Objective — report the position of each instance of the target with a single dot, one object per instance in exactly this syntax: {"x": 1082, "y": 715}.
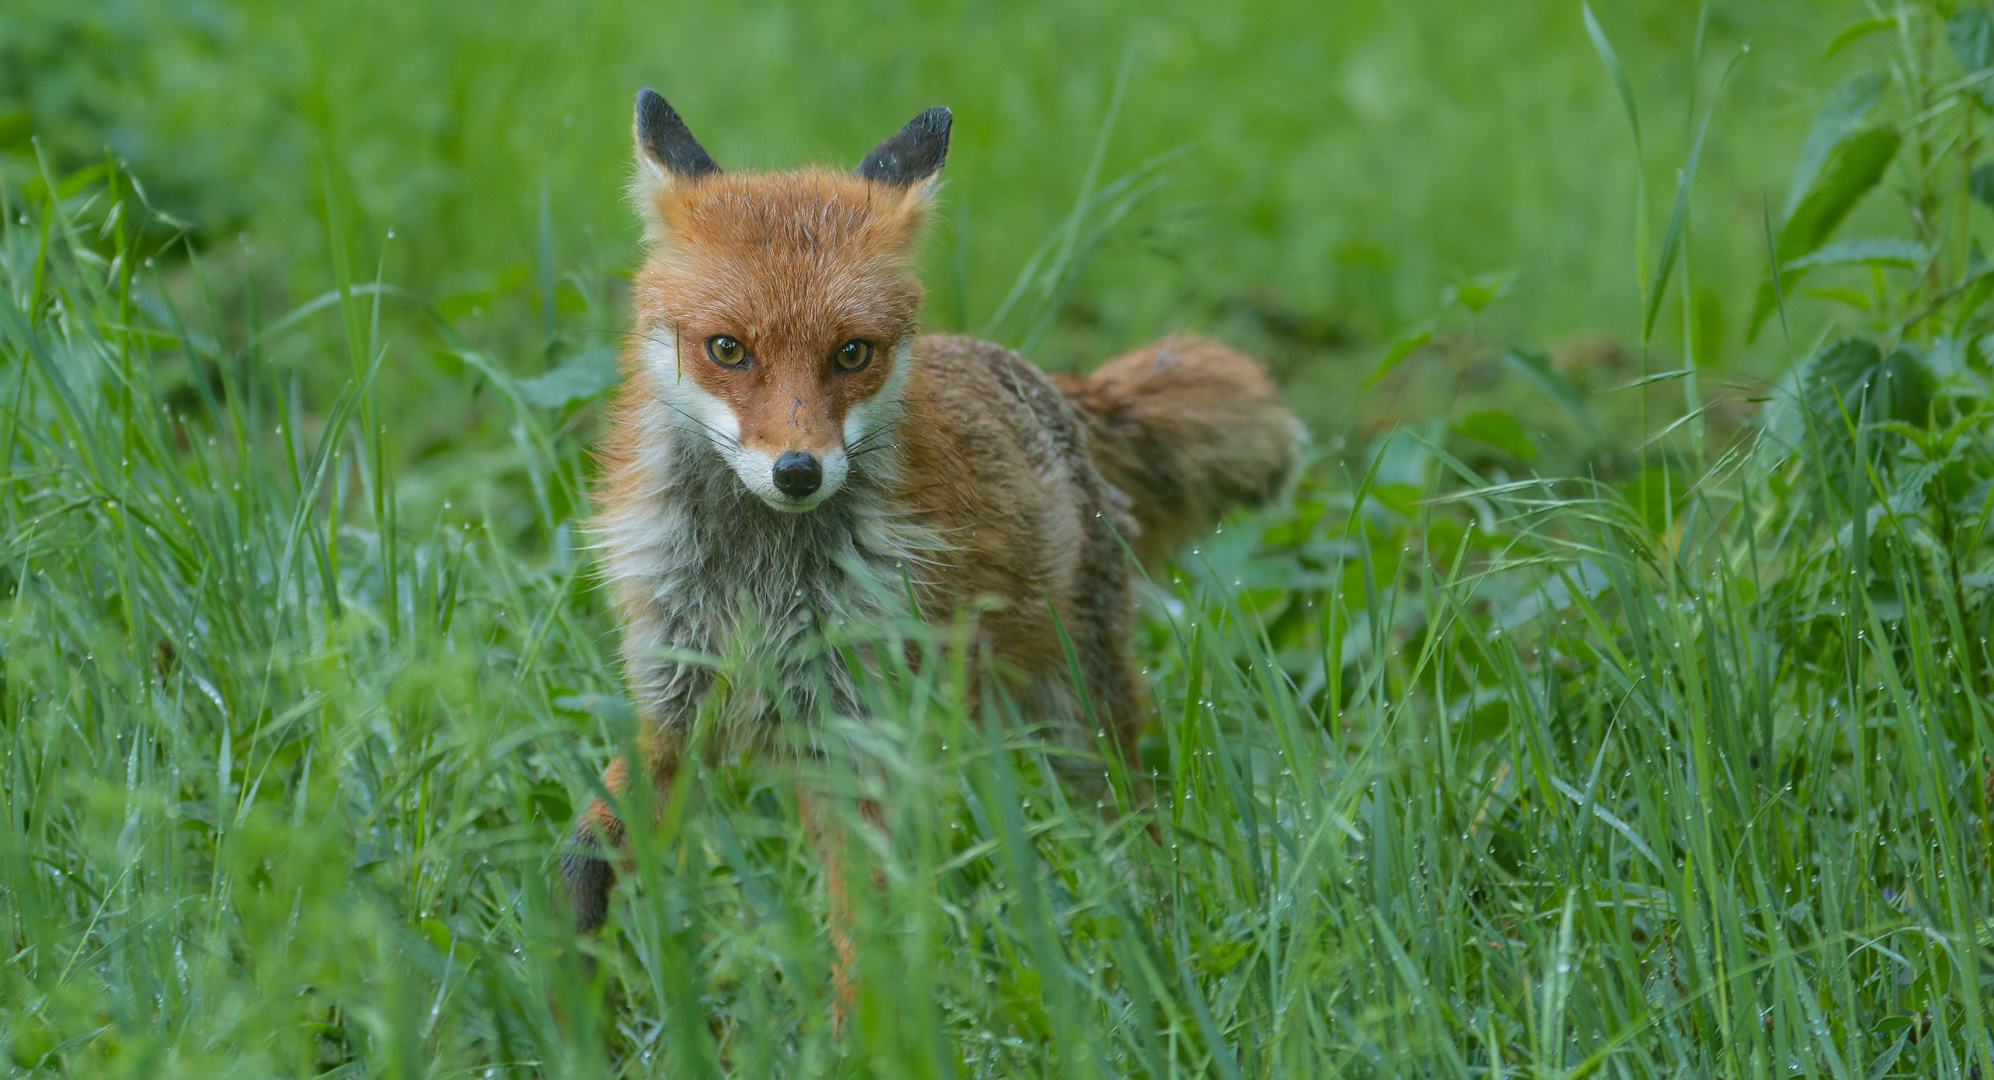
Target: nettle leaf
{"x": 589, "y": 375}
{"x": 1852, "y": 170}
{"x": 1845, "y": 110}
{"x": 1836, "y": 374}
{"x": 1853, "y": 378}
{"x": 1499, "y": 430}
{"x": 1816, "y": 388}
{"x": 1971, "y": 36}
{"x": 1980, "y": 183}
{"x": 1945, "y": 358}
{"x": 1902, "y": 389}
{"x": 1854, "y": 167}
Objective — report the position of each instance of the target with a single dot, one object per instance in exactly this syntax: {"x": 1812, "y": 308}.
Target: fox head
{"x": 776, "y": 312}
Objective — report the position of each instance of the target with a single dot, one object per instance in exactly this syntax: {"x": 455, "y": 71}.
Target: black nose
{"x": 797, "y": 474}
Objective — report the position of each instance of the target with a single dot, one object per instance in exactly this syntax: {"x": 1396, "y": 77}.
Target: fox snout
{"x": 790, "y": 480}
{"x": 788, "y": 446}
{"x": 787, "y": 419}
{"x": 798, "y": 475}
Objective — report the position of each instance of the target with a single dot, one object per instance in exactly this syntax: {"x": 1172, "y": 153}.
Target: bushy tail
{"x": 1188, "y": 429}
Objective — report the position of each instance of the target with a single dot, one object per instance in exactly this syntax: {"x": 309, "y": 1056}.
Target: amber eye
{"x": 853, "y": 355}
{"x": 726, "y": 351}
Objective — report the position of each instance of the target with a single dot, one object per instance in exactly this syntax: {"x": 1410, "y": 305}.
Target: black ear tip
{"x": 936, "y": 122}
{"x": 914, "y": 154}
{"x": 651, "y": 104}
{"x": 662, "y": 134}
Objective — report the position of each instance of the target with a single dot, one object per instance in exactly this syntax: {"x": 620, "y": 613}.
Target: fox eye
{"x": 726, "y": 351}
{"x": 853, "y": 355}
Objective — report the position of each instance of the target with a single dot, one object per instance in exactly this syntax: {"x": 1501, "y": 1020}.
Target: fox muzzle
{"x": 798, "y": 474}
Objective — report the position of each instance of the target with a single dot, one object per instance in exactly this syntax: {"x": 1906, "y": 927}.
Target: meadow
{"x": 1611, "y": 699}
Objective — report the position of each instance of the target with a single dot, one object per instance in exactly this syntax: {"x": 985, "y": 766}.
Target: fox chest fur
{"x": 979, "y": 485}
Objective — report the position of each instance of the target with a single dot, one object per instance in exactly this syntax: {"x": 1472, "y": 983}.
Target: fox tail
{"x": 1188, "y": 429}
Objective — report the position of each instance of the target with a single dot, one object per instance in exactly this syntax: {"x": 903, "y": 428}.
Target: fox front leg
{"x": 586, "y": 867}
{"x": 590, "y": 864}
{"x": 667, "y": 696}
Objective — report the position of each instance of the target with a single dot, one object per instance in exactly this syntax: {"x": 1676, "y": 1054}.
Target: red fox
{"x": 788, "y": 451}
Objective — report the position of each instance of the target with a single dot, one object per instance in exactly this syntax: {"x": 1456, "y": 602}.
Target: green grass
{"x": 1680, "y": 766}
{"x": 1344, "y": 162}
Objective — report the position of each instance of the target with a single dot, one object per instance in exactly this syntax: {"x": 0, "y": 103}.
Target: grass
{"x": 1682, "y": 765}
{"x": 1344, "y": 165}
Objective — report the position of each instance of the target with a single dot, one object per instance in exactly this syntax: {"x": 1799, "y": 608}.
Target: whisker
{"x": 854, "y": 456}
{"x": 713, "y": 434}
{"x": 870, "y": 442}
{"x": 882, "y": 430}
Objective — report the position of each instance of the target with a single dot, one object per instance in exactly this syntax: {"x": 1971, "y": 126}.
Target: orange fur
{"x": 1188, "y": 429}
{"x": 946, "y": 461}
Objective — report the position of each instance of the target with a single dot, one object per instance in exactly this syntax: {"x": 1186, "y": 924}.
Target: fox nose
{"x": 797, "y": 474}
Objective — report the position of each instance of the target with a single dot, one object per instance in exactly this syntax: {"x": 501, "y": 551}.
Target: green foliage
{"x": 1842, "y": 160}
{"x": 1345, "y": 163}
{"x": 1681, "y": 766}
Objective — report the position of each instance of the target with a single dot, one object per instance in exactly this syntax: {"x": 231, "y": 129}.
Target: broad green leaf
{"x": 1855, "y": 167}
{"x": 1856, "y": 32}
{"x": 1902, "y": 389}
{"x": 1980, "y": 182}
{"x": 1499, "y": 430}
{"x": 1845, "y": 110}
{"x": 1851, "y": 298}
{"x": 1839, "y": 370}
{"x": 1971, "y": 35}
{"x": 1408, "y": 343}
{"x": 1851, "y": 171}
{"x": 1852, "y": 377}
{"x": 1534, "y": 364}
{"x": 585, "y": 377}
{"x": 16, "y": 125}
{"x": 1882, "y": 251}
{"x": 1480, "y": 291}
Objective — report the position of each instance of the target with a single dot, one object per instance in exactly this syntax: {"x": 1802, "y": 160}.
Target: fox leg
{"x": 588, "y": 869}
{"x": 589, "y": 875}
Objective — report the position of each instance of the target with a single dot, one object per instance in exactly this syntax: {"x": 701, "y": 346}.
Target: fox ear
{"x": 913, "y": 157}
{"x": 667, "y": 154}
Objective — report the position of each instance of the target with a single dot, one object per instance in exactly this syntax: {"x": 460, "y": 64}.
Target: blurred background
{"x": 1305, "y": 179}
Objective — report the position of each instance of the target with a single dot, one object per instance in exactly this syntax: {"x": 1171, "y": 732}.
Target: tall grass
{"x": 1688, "y": 773}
